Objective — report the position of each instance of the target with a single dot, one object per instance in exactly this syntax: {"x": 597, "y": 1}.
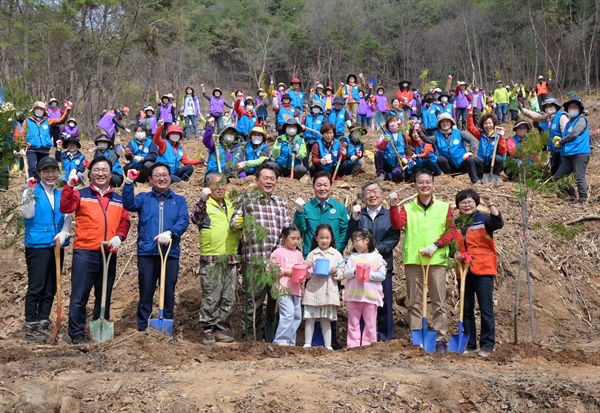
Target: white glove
{"x": 61, "y": 237}
{"x": 138, "y": 159}
{"x": 22, "y": 153}
{"x": 393, "y": 199}
{"x": 429, "y": 250}
{"x": 501, "y": 131}
{"x": 300, "y": 204}
{"x": 163, "y": 237}
{"x": 467, "y": 156}
{"x": 356, "y": 209}
{"x": 328, "y": 158}
{"x": 241, "y": 165}
{"x": 73, "y": 178}
{"x": 205, "y": 194}
{"x": 114, "y": 243}
{"x": 127, "y": 130}
{"x": 353, "y": 158}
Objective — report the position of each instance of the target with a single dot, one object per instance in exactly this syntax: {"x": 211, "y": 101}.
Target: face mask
{"x": 550, "y": 110}
{"x": 54, "y": 104}
{"x": 393, "y": 127}
{"x": 38, "y": 113}
{"x": 71, "y": 125}
{"x": 257, "y": 139}
{"x": 140, "y": 136}
{"x": 103, "y": 145}
{"x": 444, "y": 99}
{"x": 261, "y": 94}
{"x": 282, "y": 88}
{"x": 290, "y": 131}
{"x": 249, "y": 107}
{"x": 229, "y": 138}
{"x": 316, "y": 111}
{"x": 174, "y": 137}
{"x": 355, "y": 136}
{"x": 380, "y": 93}
{"x": 573, "y": 113}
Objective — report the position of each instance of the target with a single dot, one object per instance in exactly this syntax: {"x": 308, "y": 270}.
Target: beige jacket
{"x": 323, "y": 290}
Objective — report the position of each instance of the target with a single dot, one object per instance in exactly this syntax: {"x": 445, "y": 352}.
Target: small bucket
{"x": 363, "y": 272}
{"x": 299, "y": 273}
{"x": 321, "y": 267}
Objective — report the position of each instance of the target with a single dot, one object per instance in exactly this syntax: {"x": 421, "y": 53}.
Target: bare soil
{"x": 150, "y": 372}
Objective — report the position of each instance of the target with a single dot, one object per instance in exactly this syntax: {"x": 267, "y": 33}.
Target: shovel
{"x": 458, "y": 342}
{"x": 423, "y": 337}
{"x": 162, "y": 324}
{"x": 101, "y": 329}
{"x": 495, "y": 179}
{"x": 58, "y": 292}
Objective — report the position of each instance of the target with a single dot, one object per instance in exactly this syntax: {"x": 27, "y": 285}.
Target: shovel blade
{"x": 424, "y": 338}
{"x": 102, "y": 330}
{"x": 458, "y": 342}
{"x": 486, "y": 179}
{"x": 164, "y": 325}
{"x": 496, "y": 179}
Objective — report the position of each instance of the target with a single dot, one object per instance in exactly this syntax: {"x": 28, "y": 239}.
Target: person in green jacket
{"x": 501, "y": 99}
{"x": 218, "y": 259}
{"x": 289, "y": 150}
{"x": 513, "y": 104}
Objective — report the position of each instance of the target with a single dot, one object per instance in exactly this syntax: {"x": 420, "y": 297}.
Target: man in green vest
{"x": 218, "y": 260}
{"x": 428, "y": 230}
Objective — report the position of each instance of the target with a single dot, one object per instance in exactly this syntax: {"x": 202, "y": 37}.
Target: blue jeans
{"x": 461, "y": 113}
{"x": 361, "y": 120}
{"x": 483, "y": 288}
{"x": 191, "y": 120}
{"x": 290, "y": 317}
{"x": 501, "y": 111}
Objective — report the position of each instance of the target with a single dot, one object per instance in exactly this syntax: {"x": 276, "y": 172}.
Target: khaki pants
{"x": 436, "y": 285}
{"x": 352, "y": 108}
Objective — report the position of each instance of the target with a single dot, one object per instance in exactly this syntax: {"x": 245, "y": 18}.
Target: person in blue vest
{"x": 451, "y": 148}
{"x": 313, "y": 122}
{"x": 296, "y": 96}
{"x": 258, "y": 151}
{"x": 231, "y": 151}
{"x": 288, "y": 151}
{"x": 142, "y": 153}
{"x": 575, "y": 142}
{"x": 162, "y": 218}
{"x": 445, "y": 105}
{"x": 319, "y": 95}
{"x": 104, "y": 148}
{"x": 487, "y": 133}
{"x": 171, "y": 152}
{"x": 326, "y": 153}
{"x": 339, "y": 117}
{"x": 246, "y": 116}
{"x": 45, "y": 225}
{"x": 353, "y": 159}
{"x": 513, "y": 144}
{"x": 429, "y": 114}
{"x": 283, "y": 111}
{"x": 36, "y": 130}
{"x": 387, "y": 164}
{"x": 71, "y": 158}
{"x": 351, "y": 95}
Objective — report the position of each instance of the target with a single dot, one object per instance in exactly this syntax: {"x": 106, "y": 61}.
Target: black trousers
{"x": 41, "y": 283}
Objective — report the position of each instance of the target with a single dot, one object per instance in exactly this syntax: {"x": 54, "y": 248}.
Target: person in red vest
{"x": 542, "y": 88}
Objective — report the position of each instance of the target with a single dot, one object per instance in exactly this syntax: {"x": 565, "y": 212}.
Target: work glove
{"x": 394, "y": 199}
{"x": 556, "y": 141}
{"x": 32, "y": 182}
{"x": 61, "y": 237}
{"x": 128, "y": 151}
{"x": 86, "y": 163}
{"x": 386, "y": 138}
{"x": 127, "y": 130}
{"x": 58, "y": 144}
{"x": 263, "y": 158}
{"x": 343, "y": 151}
{"x": 22, "y": 153}
{"x": 132, "y": 175}
{"x": 114, "y": 244}
{"x": 163, "y": 238}
{"x": 68, "y": 104}
{"x": 241, "y": 165}
{"x": 138, "y": 159}
{"x": 239, "y": 222}
{"x": 356, "y": 209}
{"x": 359, "y": 154}
{"x": 414, "y": 156}
{"x": 501, "y": 131}
{"x": 73, "y": 178}
{"x": 327, "y": 159}
{"x": 467, "y": 156}
{"x": 206, "y": 192}
{"x": 300, "y": 204}
{"x": 429, "y": 250}
{"x": 353, "y": 158}
{"x": 279, "y": 140}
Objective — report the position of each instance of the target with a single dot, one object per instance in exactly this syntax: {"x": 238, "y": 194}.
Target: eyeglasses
{"x": 371, "y": 192}
{"x": 467, "y": 201}
{"x": 161, "y": 176}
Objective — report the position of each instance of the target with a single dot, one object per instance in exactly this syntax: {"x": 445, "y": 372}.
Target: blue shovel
{"x": 423, "y": 337}
{"x": 162, "y": 324}
{"x": 458, "y": 342}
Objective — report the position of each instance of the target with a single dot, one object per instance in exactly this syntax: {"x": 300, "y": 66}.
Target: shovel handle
{"x": 425, "y": 280}
{"x": 163, "y": 271}
{"x": 464, "y": 270}
{"x": 105, "y": 264}
{"x": 58, "y": 291}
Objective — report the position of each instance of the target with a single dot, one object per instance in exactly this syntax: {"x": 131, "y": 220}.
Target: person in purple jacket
{"x": 381, "y": 106}
{"x": 191, "y": 110}
{"x": 478, "y": 103}
{"x": 217, "y": 102}
{"x": 462, "y": 104}
{"x": 54, "y": 112}
{"x": 363, "y": 107}
{"x": 112, "y": 120}
{"x": 71, "y": 128}
{"x": 166, "y": 112}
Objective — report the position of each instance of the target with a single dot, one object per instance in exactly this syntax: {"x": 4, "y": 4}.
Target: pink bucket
{"x": 299, "y": 273}
{"x": 363, "y": 272}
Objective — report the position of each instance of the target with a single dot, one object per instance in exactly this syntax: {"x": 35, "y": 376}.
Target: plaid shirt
{"x": 271, "y": 213}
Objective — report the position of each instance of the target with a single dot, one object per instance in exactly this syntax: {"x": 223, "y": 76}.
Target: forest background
{"x": 101, "y": 54}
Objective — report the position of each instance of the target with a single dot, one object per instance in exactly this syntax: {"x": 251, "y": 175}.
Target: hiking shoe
{"x": 380, "y": 176}
{"x": 221, "y": 337}
{"x": 79, "y": 340}
{"x": 306, "y": 345}
{"x": 33, "y": 333}
{"x": 44, "y": 328}
{"x": 208, "y": 338}
{"x": 470, "y": 351}
{"x": 484, "y": 353}
{"x": 441, "y": 347}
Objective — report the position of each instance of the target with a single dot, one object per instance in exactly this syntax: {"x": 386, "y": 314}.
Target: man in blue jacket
{"x": 163, "y": 217}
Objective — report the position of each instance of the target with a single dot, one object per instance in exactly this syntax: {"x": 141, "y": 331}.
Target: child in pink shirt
{"x": 363, "y": 297}
{"x": 290, "y": 300}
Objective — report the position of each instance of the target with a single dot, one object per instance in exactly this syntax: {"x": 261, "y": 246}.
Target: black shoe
{"x": 79, "y": 340}
{"x": 33, "y": 333}
{"x": 44, "y": 328}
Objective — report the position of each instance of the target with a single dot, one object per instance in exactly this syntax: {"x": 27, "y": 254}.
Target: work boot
{"x": 32, "y": 332}
{"x": 44, "y": 328}
{"x": 208, "y": 338}
{"x": 222, "y": 337}
{"x": 79, "y": 340}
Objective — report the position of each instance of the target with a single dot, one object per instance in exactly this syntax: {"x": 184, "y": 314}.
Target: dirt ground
{"x": 149, "y": 372}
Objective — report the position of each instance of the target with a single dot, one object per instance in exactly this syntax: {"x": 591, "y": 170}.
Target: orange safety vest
{"x": 541, "y": 88}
